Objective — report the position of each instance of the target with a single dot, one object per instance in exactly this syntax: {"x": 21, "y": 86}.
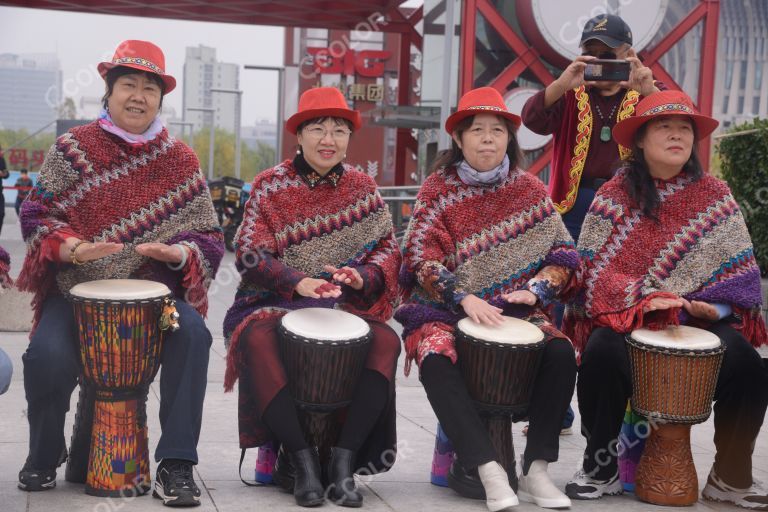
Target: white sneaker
{"x": 584, "y": 487}
{"x": 498, "y": 494}
{"x": 754, "y": 497}
{"x": 536, "y": 487}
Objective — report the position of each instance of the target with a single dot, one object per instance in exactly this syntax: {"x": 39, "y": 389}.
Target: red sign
{"x": 20, "y": 158}
{"x": 368, "y": 63}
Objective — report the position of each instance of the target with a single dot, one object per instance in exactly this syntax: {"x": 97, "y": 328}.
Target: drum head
{"x": 325, "y": 324}
{"x": 120, "y": 289}
{"x": 678, "y": 337}
{"x": 513, "y": 331}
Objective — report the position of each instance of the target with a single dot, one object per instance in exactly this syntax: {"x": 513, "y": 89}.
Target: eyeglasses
{"x": 318, "y": 132}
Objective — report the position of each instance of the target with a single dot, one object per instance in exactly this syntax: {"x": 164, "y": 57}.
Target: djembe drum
{"x": 499, "y": 365}
{"x": 323, "y": 352}
{"x": 674, "y": 373}
{"x": 120, "y": 327}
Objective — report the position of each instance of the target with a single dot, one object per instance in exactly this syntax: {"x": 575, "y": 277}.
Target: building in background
{"x": 264, "y": 132}
{"x": 31, "y": 86}
{"x": 202, "y": 72}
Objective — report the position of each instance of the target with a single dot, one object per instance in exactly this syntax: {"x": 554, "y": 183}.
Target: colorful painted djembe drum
{"x": 499, "y": 365}
{"x": 120, "y": 326}
{"x": 323, "y": 352}
{"x": 674, "y": 373}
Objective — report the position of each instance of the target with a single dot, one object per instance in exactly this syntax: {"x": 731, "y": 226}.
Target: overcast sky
{"x": 81, "y": 41}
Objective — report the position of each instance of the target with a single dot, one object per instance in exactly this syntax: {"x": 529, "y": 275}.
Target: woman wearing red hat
{"x": 485, "y": 241}
{"x": 316, "y": 233}
{"x": 663, "y": 243}
{"x": 120, "y": 198}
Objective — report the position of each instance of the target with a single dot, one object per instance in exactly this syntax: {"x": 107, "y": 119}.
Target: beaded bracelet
{"x": 73, "y": 256}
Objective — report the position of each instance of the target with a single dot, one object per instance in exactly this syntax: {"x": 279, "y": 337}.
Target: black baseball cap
{"x": 608, "y": 29}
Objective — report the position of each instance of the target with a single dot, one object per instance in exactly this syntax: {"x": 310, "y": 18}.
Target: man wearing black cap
{"x": 580, "y": 115}
{"x": 585, "y": 153}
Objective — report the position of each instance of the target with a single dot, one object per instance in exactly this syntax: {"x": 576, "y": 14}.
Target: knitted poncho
{"x": 699, "y": 249}
{"x": 96, "y": 187}
{"x": 483, "y": 240}
{"x": 303, "y": 229}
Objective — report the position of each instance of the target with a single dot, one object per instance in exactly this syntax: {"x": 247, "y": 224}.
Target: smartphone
{"x": 607, "y": 70}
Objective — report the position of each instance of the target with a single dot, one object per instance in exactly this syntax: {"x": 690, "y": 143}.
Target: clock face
{"x": 528, "y": 140}
{"x": 559, "y": 23}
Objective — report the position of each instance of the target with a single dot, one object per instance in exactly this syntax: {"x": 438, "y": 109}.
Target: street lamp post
{"x": 238, "y": 112}
{"x": 210, "y": 138}
{"x": 280, "y": 100}
{"x": 184, "y": 125}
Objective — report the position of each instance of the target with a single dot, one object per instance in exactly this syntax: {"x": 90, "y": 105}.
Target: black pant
{"x": 456, "y": 411}
{"x": 741, "y": 396}
{"x": 51, "y": 368}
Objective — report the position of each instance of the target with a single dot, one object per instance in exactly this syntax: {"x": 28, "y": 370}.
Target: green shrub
{"x": 744, "y": 164}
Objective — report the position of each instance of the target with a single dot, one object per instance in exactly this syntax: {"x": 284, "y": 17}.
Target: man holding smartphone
{"x": 584, "y": 153}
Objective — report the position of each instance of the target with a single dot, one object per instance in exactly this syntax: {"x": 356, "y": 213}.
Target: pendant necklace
{"x": 605, "y": 131}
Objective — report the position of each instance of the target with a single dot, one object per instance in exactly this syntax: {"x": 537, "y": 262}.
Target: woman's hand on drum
{"x": 701, "y": 310}
{"x": 346, "y": 275}
{"x": 87, "y": 251}
{"x": 661, "y": 303}
{"x": 317, "y": 289}
{"x": 162, "y": 252}
{"x": 480, "y": 311}
{"x": 521, "y": 297}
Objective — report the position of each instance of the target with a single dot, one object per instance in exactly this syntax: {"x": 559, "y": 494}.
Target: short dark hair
{"x": 452, "y": 157}
{"x": 23, "y": 171}
{"x": 118, "y": 71}
{"x": 638, "y": 182}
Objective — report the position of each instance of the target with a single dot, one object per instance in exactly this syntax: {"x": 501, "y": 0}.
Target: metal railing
{"x": 400, "y": 201}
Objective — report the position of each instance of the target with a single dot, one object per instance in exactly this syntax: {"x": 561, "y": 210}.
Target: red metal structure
{"x": 529, "y": 59}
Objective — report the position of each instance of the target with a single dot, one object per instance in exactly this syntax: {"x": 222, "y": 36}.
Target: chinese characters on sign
{"x": 368, "y": 63}
{"x": 360, "y": 92}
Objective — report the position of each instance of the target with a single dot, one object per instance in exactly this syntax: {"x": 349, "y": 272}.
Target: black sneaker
{"x": 175, "y": 485}
{"x": 584, "y": 487}
{"x": 33, "y": 480}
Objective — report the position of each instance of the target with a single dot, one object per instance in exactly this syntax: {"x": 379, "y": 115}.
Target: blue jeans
{"x": 52, "y": 366}
{"x": 573, "y": 220}
{"x": 6, "y": 371}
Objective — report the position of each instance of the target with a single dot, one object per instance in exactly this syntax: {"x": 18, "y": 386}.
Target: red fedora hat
{"x": 322, "y": 102}
{"x": 664, "y": 103}
{"x": 141, "y": 55}
{"x": 483, "y": 100}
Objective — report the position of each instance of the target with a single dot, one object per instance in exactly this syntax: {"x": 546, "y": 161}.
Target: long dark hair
{"x": 451, "y": 157}
{"x": 638, "y": 182}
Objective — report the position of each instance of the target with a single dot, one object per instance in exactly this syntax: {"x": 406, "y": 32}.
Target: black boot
{"x": 307, "y": 489}
{"x": 284, "y": 475}
{"x": 342, "y": 488}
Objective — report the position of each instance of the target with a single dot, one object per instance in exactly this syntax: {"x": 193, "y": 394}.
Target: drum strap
{"x": 240, "y": 472}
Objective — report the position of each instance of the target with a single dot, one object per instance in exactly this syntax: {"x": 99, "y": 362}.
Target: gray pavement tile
{"x": 12, "y": 499}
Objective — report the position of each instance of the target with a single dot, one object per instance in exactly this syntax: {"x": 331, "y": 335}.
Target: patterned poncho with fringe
{"x": 482, "y": 240}
{"x": 96, "y": 187}
{"x": 291, "y": 230}
{"x": 698, "y": 249}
